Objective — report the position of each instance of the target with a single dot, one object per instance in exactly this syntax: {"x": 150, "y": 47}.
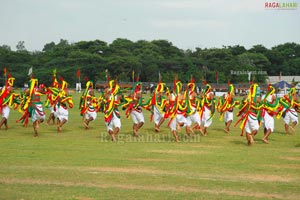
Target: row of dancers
{"x": 179, "y": 107}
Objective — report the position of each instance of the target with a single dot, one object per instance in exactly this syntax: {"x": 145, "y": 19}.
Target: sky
{"x": 186, "y": 23}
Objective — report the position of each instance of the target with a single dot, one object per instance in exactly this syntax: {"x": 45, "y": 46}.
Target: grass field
{"x": 83, "y": 164}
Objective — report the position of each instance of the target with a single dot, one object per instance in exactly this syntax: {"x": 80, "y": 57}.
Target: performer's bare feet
{"x": 201, "y": 131}
{"x": 265, "y": 141}
{"x": 157, "y": 129}
{"x": 226, "y": 130}
{"x": 85, "y": 124}
{"x": 135, "y": 133}
{"x": 251, "y": 140}
{"x": 292, "y": 129}
{"x": 113, "y": 138}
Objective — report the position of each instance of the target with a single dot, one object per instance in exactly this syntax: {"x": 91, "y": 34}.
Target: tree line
{"x": 148, "y": 60}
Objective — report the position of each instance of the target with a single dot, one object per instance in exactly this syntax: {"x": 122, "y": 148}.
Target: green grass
{"x": 84, "y": 164}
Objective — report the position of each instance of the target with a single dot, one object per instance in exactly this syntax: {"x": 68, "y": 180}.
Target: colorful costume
{"x": 158, "y": 103}
{"x": 206, "y": 108}
{"x": 269, "y": 110}
{"x": 192, "y": 116}
{"x": 7, "y": 99}
{"x": 111, "y": 112}
{"x": 289, "y": 109}
{"x": 88, "y": 105}
{"x": 225, "y": 107}
{"x": 250, "y": 114}
{"x": 64, "y": 100}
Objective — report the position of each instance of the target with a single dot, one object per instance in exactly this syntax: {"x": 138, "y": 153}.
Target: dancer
{"x": 225, "y": 107}
{"x": 64, "y": 101}
{"x": 159, "y": 103}
{"x": 176, "y": 110}
{"x": 7, "y": 99}
{"x": 290, "y": 107}
{"x": 206, "y": 108}
{"x": 51, "y": 100}
{"x": 250, "y": 112}
{"x": 269, "y": 110}
{"x": 31, "y": 104}
{"x": 134, "y": 109}
{"x": 88, "y": 105}
{"x": 111, "y": 112}
{"x": 193, "y": 116}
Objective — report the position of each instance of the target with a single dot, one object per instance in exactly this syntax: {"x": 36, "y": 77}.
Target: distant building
{"x": 276, "y": 79}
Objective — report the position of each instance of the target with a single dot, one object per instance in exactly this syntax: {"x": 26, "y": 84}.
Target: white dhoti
{"x": 37, "y": 113}
{"x": 157, "y": 116}
{"x": 290, "y": 116}
{"x": 268, "y": 121}
{"x": 5, "y": 111}
{"x": 252, "y": 123}
{"x": 115, "y": 122}
{"x": 137, "y": 117}
{"x": 62, "y": 113}
{"x": 228, "y": 116}
{"x": 206, "y": 118}
{"x": 90, "y": 113}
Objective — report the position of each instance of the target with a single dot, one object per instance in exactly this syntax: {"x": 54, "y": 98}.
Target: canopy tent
{"x": 282, "y": 85}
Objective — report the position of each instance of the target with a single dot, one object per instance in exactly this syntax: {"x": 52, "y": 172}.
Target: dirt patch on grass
{"x": 183, "y": 174}
{"x": 291, "y": 158}
{"x": 126, "y": 170}
{"x": 209, "y": 177}
{"x": 282, "y": 166}
{"x": 83, "y": 198}
{"x": 206, "y": 146}
{"x": 178, "y": 152}
{"x": 161, "y": 188}
{"x": 153, "y": 160}
{"x": 296, "y": 150}
{"x": 267, "y": 178}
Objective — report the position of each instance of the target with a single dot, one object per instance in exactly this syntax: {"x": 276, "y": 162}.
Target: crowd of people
{"x": 179, "y": 106}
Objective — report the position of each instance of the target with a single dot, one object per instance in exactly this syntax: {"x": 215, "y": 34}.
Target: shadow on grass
{"x": 237, "y": 142}
{"x": 280, "y": 132}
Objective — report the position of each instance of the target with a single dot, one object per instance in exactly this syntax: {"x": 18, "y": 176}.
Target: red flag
{"x": 78, "y": 73}
{"x": 4, "y": 71}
